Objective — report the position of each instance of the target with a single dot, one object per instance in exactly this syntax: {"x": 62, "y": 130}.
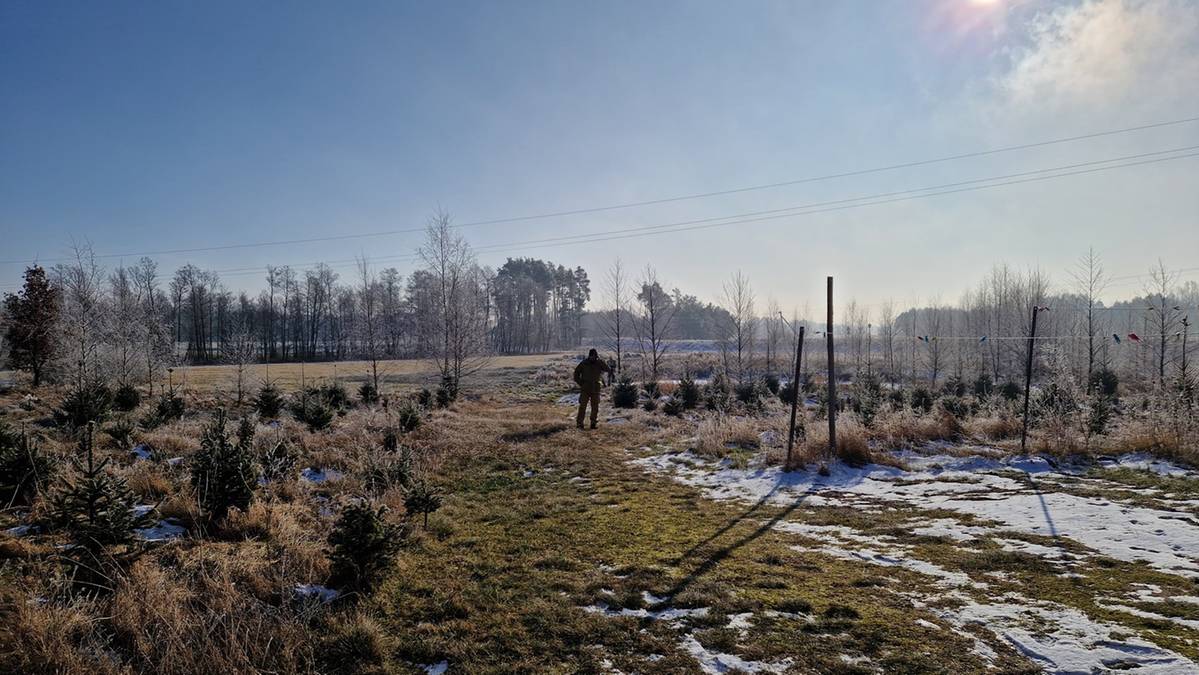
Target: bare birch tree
{"x": 616, "y": 288}
{"x": 456, "y": 333}
{"x": 737, "y": 335}
{"x": 655, "y": 320}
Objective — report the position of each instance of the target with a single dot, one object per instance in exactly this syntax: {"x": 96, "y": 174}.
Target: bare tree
{"x": 84, "y": 319}
{"x": 240, "y": 349}
{"x": 455, "y": 334}
{"x": 737, "y": 335}
{"x": 775, "y": 336}
{"x": 655, "y": 320}
{"x": 616, "y": 289}
{"x": 1163, "y": 314}
{"x": 370, "y": 324}
{"x": 125, "y": 325}
{"x": 887, "y": 332}
{"x": 1090, "y": 280}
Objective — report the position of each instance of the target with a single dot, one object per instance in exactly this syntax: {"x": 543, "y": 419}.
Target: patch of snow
{"x": 1186, "y": 623}
{"x": 741, "y": 621}
{"x": 142, "y": 510}
{"x": 175, "y": 461}
{"x": 951, "y": 529}
{"x": 316, "y": 591}
{"x": 568, "y": 399}
{"x": 163, "y": 530}
{"x": 21, "y": 530}
{"x": 319, "y": 475}
{"x": 141, "y": 452}
{"x": 1122, "y": 531}
{"x": 1146, "y": 462}
{"x": 717, "y": 662}
{"x": 668, "y": 614}
{"x": 1064, "y": 640}
{"x": 437, "y": 668}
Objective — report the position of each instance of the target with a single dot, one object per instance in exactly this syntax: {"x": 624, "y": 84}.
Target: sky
{"x": 149, "y": 127}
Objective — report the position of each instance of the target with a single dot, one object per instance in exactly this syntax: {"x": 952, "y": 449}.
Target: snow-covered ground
{"x": 1000, "y": 498}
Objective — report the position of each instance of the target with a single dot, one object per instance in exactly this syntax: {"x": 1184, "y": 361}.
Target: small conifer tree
{"x": 24, "y": 468}
{"x": 422, "y": 498}
{"x": 96, "y": 508}
{"x": 223, "y": 473}
{"x": 268, "y": 402}
{"x": 624, "y": 394}
{"x": 361, "y": 545}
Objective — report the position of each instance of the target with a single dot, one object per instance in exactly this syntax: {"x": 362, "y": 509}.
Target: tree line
{"x": 77, "y": 321}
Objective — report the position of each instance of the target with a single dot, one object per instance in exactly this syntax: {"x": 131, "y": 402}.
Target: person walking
{"x": 589, "y": 375}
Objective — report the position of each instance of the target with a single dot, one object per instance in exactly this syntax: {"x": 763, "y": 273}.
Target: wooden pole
{"x": 832, "y": 378}
{"x": 1032, "y": 338}
{"x": 795, "y": 393}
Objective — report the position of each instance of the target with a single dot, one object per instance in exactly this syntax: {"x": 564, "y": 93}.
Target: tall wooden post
{"x": 1032, "y": 338}
{"x": 832, "y": 378}
{"x": 795, "y": 393}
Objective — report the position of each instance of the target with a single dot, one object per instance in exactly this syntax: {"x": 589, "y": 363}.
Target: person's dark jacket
{"x": 589, "y": 375}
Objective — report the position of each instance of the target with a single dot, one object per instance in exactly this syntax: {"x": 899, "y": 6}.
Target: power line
{"x": 650, "y": 202}
{"x": 813, "y": 208}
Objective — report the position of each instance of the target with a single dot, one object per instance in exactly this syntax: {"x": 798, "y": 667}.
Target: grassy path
{"x": 555, "y": 555}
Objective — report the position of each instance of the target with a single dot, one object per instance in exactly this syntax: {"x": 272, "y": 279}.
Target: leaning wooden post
{"x": 1032, "y": 337}
{"x": 832, "y": 378}
{"x": 795, "y": 393}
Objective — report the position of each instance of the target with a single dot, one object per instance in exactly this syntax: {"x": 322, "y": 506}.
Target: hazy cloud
{"x": 1103, "y": 53}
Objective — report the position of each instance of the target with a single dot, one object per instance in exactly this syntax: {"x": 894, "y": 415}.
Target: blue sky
{"x": 146, "y": 127}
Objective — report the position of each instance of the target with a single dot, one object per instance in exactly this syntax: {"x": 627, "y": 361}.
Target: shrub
{"x": 717, "y": 393}
{"x": 688, "y": 393}
{"x": 422, "y": 498}
{"x": 954, "y": 386}
{"x": 772, "y": 383}
{"x": 1104, "y": 382}
{"x": 922, "y": 400}
{"x": 408, "y": 418}
{"x": 983, "y": 386}
{"x": 787, "y": 393}
{"x": 650, "y": 405}
{"x": 312, "y": 411}
{"x": 673, "y": 406}
{"x": 444, "y": 397}
{"x": 652, "y": 389}
{"x": 624, "y": 394}
{"x": 957, "y": 406}
{"x": 334, "y": 395}
{"x": 84, "y": 404}
{"x": 223, "y": 474}
{"x": 362, "y": 546}
{"x": 268, "y": 402}
{"x": 24, "y": 468}
{"x": 424, "y": 399}
{"x": 1100, "y": 414}
{"x": 278, "y": 461}
{"x": 96, "y": 508}
{"x": 1010, "y": 391}
{"x": 368, "y": 394}
{"x": 167, "y": 408}
{"x": 751, "y": 394}
{"x": 127, "y": 398}
{"x": 121, "y": 432}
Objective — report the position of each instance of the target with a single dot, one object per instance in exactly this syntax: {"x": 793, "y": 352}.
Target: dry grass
{"x": 210, "y": 379}
{"x": 903, "y": 429}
